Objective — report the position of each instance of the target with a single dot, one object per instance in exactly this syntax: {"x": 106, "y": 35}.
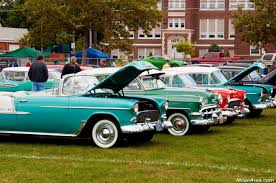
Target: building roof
{"x": 8, "y": 34}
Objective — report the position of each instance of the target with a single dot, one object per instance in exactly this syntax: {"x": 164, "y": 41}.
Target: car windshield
{"x": 74, "y": 85}
{"x": 54, "y": 74}
{"x": 14, "y": 75}
{"x": 187, "y": 80}
{"x": 167, "y": 58}
{"x": 217, "y": 78}
{"x": 151, "y": 82}
{"x": 255, "y": 76}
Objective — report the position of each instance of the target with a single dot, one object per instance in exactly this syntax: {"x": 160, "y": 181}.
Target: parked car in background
{"x": 82, "y": 107}
{"x": 253, "y": 78}
{"x": 16, "y": 79}
{"x": 217, "y": 58}
{"x": 258, "y": 96}
{"x": 233, "y": 100}
{"x": 268, "y": 58}
{"x": 159, "y": 61}
{"x": 189, "y": 109}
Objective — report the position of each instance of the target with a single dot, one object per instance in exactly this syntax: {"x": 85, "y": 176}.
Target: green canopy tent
{"x": 24, "y": 52}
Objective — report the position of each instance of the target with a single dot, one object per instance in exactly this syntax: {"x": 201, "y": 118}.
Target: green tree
{"x": 257, "y": 28}
{"x": 214, "y": 48}
{"x": 112, "y": 18}
{"x": 185, "y": 47}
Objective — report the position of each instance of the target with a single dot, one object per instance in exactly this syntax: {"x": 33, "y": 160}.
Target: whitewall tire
{"x": 181, "y": 124}
{"x": 105, "y": 133}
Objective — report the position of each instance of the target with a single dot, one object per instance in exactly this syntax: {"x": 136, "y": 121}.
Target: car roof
{"x": 193, "y": 69}
{"x": 230, "y": 67}
{"x": 96, "y": 71}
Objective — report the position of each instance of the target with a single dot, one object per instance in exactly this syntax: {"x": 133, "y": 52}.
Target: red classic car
{"x": 216, "y": 58}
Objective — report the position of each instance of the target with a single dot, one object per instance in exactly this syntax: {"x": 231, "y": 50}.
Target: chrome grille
{"x": 233, "y": 104}
{"x": 208, "y": 112}
{"x": 148, "y": 116}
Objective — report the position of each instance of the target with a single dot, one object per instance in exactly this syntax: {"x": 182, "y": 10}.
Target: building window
{"x": 244, "y": 4}
{"x": 176, "y": 23}
{"x": 211, "y": 29}
{"x": 159, "y": 4}
{"x": 177, "y": 4}
{"x": 231, "y": 30}
{"x": 212, "y": 4}
{"x": 255, "y": 51}
{"x": 145, "y": 52}
{"x": 153, "y": 34}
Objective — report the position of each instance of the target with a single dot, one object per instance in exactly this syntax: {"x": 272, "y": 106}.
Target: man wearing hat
{"x": 71, "y": 67}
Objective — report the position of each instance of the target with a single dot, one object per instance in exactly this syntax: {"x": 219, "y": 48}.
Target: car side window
{"x": 207, "y": 55}
{"x": 200, "y": 79}
{"x": 166, "y": 80}
{"x": 177, "y": 82}
{"x": 268, "y": 57}
{"x": 227, "y": 74}
{"x": 133, "y": 85}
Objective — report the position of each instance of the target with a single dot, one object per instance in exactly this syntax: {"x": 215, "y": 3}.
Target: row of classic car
{"x": 111, "y": 104}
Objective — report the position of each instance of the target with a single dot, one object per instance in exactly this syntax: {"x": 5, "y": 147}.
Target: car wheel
{"x": 255, "y": 113}
{"x": 230, "y": 120}
{"x": 174, "y": 65}
{"x": 181, "y": 124}
{"x": 143, "y": 137}
{"x": 105, "y": 133}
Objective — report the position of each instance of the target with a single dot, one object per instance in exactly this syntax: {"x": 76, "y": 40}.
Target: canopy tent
{"x": 93, "y": 53}
{"x": 24, "y": 52}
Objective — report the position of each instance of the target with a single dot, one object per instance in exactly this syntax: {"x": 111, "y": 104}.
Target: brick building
{"x": 200, "y": 21}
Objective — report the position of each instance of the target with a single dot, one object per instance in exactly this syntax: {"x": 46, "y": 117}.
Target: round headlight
{"x": 202, "y": 101}
{"x": 135, "y": 108}
{"x": 228, "y": 98}
{"x": 166, "y": 105}
{"x": 245, "y": 96}
{"x": 271, "y": 91}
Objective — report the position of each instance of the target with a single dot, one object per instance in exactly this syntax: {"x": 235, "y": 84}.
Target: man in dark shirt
{"x": 72, "y": 67}
{"x": 38, "y": 74}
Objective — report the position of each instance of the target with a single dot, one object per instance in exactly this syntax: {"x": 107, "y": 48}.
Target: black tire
{"x": 181, "y": 124}
{"x": 141, "y": 138}
{"x": 230, "y": 120}
{"x": 195, "y": 62}
{"x": 255, "y": 113}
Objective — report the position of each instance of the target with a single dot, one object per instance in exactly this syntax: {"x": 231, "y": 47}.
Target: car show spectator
{"x": 71, "y": 67}
{"x": 38, "y": 74}
{"x": 166, "y": 65}
{"x": 28, "y": 63}
{"x": 103, "y": 63}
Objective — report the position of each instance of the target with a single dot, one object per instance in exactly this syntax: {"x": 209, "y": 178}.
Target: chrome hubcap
{"x": 105, "y": 133}
{"x": 179, "y": 124}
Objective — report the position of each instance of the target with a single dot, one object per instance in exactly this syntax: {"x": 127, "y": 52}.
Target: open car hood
{"x": 269, "y": 78}
{"x": 246, "y": 71}
{"x": 120, "y": 79}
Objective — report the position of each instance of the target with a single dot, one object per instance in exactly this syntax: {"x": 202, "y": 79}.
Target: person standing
{"x": 166, "y": 65}
{"x": 71, "y": 68}
{"x": 38, "y": 74}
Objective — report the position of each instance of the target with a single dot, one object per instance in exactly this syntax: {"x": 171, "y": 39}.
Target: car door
{"x": 46, "y": 114}
{"x": 7, "y": 114}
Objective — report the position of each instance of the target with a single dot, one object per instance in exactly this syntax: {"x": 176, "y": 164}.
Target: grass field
{"x": 246, "y": 149}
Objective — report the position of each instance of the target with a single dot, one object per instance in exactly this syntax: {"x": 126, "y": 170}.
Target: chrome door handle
{"x": 22, "y": 101}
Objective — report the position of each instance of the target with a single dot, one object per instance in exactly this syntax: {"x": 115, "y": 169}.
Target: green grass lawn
{"x": 246, "y": 149}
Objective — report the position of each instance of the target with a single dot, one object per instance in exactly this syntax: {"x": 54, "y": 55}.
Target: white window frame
{"x": 233, "y": 4}
{"x": 159, "y": 4}
{"x": 207, "y": 34}
{"x": 255, "y": 54}
{"x": 232, "y": 35}
{"x": 145, "y": 51}
{"x": 153, "y": 34}
{"x": 212, "y": 2}
{"x": 176, "y": 4}
{"x": 174, "y": 21}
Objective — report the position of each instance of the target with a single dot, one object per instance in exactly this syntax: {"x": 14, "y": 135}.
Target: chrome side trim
{"x": 82, "y": 125}
{"x": 38, "y": 133}
{"x": 79, "y": 107}
{"x": 15, "y": 113}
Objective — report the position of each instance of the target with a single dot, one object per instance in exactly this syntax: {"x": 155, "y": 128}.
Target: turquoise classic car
{"x": 258, "y": 96}
{"x": 14, "y": 79}
{"x": 189, "y": 109}
{"x": 81, "y": 107}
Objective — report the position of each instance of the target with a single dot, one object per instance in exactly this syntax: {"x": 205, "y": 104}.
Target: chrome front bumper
{"x": 216, "y": 118}
{"x": 142, "y": 127}
{"x": 259, "y": 106}
{"x": 240, "y": 112}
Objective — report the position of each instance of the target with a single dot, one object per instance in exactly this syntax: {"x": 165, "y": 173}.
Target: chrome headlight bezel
{"x": 202, "y": 101}
{"x": 135, "y": 108}
{"x": 165, "y": 105}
